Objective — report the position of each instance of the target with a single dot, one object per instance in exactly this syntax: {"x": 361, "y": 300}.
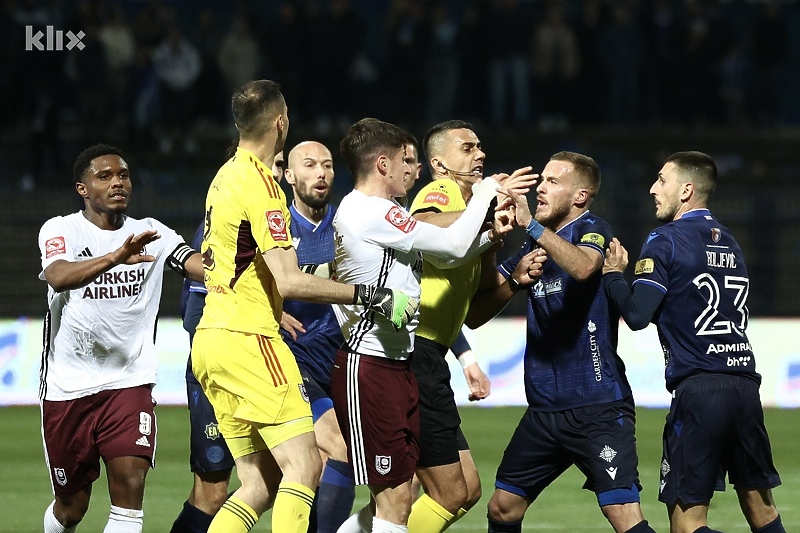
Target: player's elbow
{"x": 636, "y": 323}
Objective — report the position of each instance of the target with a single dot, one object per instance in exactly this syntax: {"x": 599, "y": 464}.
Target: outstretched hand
{"x": 616, "y": 259}
{"x": 130, "y": 253}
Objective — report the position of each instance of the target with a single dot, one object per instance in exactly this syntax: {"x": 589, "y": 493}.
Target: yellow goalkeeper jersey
{"x": 246, "y": 215}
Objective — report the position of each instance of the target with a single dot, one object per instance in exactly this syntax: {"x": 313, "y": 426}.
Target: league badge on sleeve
{"x": 277, "y": 226}
{"x": 644, "y": 266}
{"x": 400, "y": 219}
{"x": 54, "y": 246}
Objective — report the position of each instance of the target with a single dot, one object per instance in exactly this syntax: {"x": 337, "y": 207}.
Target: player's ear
{"x": 81, "y": 188}
{"x": 581, "y": 197}
{"x": 382, "y": 164}
{"x": 289, "y": 176}
{"x": 687, "y": 191}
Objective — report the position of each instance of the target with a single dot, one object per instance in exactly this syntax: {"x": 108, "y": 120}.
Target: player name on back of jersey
{"x": 115, "y": 284}
{"x": 721, "y": 259}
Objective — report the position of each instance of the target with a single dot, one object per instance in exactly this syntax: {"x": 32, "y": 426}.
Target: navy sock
{"x": 191, "y": 520}
{"x": 776, "y": 526}
{"x": 504, "y": 527}
{"x": 335, "y": 496}
{"x": 641, "y": 527}
{"x": 706, "y": 529}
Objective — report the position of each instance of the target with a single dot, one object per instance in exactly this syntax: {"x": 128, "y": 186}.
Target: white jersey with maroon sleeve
{"x": 101, "y": 336}
{"x": 374, "y": 239}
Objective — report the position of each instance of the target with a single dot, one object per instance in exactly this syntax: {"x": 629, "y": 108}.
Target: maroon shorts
{"x": 376, "y": 402}
{"x": 109, "y": 424}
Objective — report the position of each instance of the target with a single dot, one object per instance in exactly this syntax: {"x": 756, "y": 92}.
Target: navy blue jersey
{"x": 700, "y": 268}
{"x": 316, "y": 348}
{"x": 188, "y": 284}
{"x": 571, "y": 350}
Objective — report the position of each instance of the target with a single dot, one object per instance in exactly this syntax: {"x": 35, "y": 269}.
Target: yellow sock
{"x": 234, "y": 517}
{"x": 459, "y": 515}
{"x": 427, "y": 516}
{"x": 292, "y": 508}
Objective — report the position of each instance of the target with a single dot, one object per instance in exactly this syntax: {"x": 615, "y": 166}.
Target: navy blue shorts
{"x": 598, "y": 439}
{"x": 440, "y": 437}
{"x": 715, "y": 426}
{"x": 319, "y": 394}
{"x": 208, "y": 451}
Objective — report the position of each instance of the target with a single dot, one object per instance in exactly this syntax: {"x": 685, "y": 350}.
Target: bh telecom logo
{"x": 54, "y": 39}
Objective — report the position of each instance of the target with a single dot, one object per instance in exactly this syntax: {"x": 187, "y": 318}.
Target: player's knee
{"x": 473, "y": 496}
{"x": 452, "y": 497}
{"x": 503, "y": 509}
{"x": 70, "y": 510}
{"x": 623, "y": 516}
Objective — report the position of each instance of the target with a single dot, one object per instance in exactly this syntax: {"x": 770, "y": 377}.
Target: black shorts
{"x": 208, "y": 451}
{"x": 598, "y": 439}
{"x": 440, "y": 437}
{"x": 319, "y": 394}
{"x": 715, "y": 426}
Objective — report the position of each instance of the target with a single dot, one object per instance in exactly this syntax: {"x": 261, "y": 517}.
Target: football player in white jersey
{"x": 104, "y": 275}
{"x": 377, "y": 242}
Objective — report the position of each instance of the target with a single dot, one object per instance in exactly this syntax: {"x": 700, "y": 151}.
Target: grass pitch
{"x": 564, "y": 506}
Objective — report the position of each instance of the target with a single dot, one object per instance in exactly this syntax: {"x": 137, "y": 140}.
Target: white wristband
{"x": 467, "y": 358}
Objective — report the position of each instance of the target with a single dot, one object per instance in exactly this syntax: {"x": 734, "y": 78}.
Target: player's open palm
{"x": 132, "y": 250}
{"x": 616, "y": 259}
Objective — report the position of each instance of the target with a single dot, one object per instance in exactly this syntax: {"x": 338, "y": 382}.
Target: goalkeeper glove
{"x": 395, "y": 305}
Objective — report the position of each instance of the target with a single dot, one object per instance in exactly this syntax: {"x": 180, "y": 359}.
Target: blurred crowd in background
{"x": 158, "y": 74}
{"x": 625, "y": 81}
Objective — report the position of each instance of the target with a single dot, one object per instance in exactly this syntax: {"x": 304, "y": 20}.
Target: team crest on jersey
{"x": 594, "y": 238}
{"x": 437, "y": 198}
{"x": 400, "y": 219}
{"x": 608, "y": 453}
{"x": 212, "y": 431}
{"x": 383, "y": 464}
{"x": 54, "y": 246}
{"x": 716, "y": 234}
{"x": 277, "y": 225}
{"x": 61, "y": 476}
{"x": 303, "y": 392}
{"x": 644, "y": 266}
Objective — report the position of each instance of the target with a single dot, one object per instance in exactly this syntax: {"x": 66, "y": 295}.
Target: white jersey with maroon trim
{"x": 374, "y": 238}
{"x": 101, "y": 336}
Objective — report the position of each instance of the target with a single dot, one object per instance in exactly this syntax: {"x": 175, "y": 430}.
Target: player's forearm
{"x": 441, "y": 220}
{"x": 637, "y": 306}
{"x": 454, "y": 241}
{"x": 574, "y": 261}
{"x": 487, "y": 304}
{"x": 310, "y": 288}
{"x": 68, "y": 275}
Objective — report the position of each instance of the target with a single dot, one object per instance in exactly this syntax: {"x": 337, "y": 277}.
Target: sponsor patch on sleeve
{"x": 594, "y": 238}
{"x": 644, "y": 266}
{"x": 54, "y": 246}
{"x": 277, "y": 226}
{"x": 399, "y": 218}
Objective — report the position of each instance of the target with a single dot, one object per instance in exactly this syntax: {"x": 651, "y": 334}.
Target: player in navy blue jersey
{"x": 312, "y": 331}
{"x": 692, "y": 282}
{"x": 580, "y": 406}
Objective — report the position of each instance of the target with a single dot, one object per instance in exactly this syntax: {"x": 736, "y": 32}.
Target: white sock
{"x": 124, "y": 520}
{"x": 361, "y": 522}
{"x": 382, "y": 526}
{"x": 51, "y": 523}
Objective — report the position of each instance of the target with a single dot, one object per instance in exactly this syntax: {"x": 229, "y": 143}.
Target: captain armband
{"x": 177, "y": 259}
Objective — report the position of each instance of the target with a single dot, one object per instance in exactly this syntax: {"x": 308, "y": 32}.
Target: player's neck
{"x": 466, "y": 189}
{"x": 310, "y": 213}
{"x": 104, "y": 221}
{"x": 263, "y": 149}
{"x": 685, "y": 208}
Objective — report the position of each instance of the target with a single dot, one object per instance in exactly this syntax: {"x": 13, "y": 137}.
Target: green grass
{"x": 25, "y": 488}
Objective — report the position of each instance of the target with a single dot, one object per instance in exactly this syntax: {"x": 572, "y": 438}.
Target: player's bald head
{"x": 305, "y": 149}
